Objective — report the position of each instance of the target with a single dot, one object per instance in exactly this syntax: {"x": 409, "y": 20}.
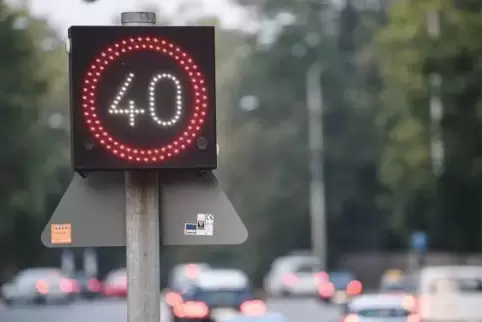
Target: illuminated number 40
{"x": 132, "y": 111}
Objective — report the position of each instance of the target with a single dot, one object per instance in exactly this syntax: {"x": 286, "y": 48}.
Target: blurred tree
{"x": 273, "y": 156}
{"x": 408, "y": 56}
{"x": 29, "y": 154}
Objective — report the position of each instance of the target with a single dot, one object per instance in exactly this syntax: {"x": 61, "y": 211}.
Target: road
{"x": 294, "y": 310}
{"x": 305, "y": 310}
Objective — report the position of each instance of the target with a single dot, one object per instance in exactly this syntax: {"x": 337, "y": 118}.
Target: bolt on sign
{"x": 143, "y": 98}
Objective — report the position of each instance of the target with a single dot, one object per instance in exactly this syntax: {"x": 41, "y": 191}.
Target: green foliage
{"x": 448, "y": 205}
{"x": 20, "y": 93}
{"x": 268, "y": 172}
{"x": 377, "y": 71}
{"x": 27, "y": 146}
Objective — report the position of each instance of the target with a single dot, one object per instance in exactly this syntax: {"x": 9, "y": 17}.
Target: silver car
{"x": 39, "y": 285}
{"x": 182, "y": 276}
{"x": 294, "y": 275}
{"x": 381, "y": 307}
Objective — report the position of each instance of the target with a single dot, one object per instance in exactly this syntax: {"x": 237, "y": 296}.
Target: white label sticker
{"x": 209, "y": 225}
{"x": 201, "y": 225}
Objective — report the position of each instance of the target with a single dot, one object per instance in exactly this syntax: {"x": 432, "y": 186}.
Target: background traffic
{"x": 200, "y": 292}
{"x": 196, "y": 291}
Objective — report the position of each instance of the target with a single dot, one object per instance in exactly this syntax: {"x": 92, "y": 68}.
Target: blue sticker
{"x": 190, "y": 229}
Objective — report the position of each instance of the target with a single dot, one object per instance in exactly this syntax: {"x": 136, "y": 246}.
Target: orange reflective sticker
{"x": 61, "y": 233}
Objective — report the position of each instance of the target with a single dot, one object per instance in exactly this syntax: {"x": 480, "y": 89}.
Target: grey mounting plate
{"x": 94, "y": 210}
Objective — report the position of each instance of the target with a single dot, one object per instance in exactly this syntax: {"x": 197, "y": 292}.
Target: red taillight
{"x": 413, "y": 318}
{"x": 289, "y": 279}
{"x": 350, "y": 318}
{"x": 178, "y": 310}
{"x": 192, "y": 310}
{"x": 172, "y": 298}
{"x": 93, "y": 285}
{"x": 326, "y": 290}
{"x": 354, "y": 288}
{"x": 253, "y": 308}
{"x": 68, "y": 286}
{"x": 420, "y": 302}
{"x": 42, "y": 287}
{"x": 107, "y": 290}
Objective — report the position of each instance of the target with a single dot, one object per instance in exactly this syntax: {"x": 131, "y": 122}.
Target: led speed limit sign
{"x": 142, "y": 97}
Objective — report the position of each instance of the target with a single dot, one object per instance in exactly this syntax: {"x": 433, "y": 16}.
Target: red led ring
{"x": 125, "y": 151}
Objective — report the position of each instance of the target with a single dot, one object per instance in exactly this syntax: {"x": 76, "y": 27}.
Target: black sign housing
{"x": 142, "y": 98}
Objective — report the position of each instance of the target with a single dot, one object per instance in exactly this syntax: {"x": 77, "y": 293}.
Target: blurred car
{"x": 88, "y": 287}
{"x": 295, "y": 274}
{"x": 339, "y": 287}
{"x": 380, "y": 307}
{"x": 392, "y": 280}
{"x": 183, "y": 275}
{"x": 115, "y": 284}
{"x": 449, "y": 293}
{"x": 41, "y": 286}
{"x": 218, "y": 294}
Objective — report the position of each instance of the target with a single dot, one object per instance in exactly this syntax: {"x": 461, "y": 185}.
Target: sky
{"x": 64, "y": 13}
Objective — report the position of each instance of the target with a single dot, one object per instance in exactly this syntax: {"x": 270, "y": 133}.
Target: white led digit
{"x": 131, "y": 111}
{"x": 178, "y": 100}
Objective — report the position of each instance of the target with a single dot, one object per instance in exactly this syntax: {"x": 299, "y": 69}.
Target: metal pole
{"x": 90, "y": 262}
{"x": 314, "y": 101}
{"x": 437, "y": 149}
{"x": 142, "y": 227}
{"x": 67, "y": 261}
{"x": 436, "y": 104}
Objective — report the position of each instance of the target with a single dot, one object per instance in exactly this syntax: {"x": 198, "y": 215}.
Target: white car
{"x": 294, "y": 275}
{"x": 449, "y": 293}
{"x": 381, "y": 307}
{"x": 39, "y": 285}
{"x": 183, "y": 275}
